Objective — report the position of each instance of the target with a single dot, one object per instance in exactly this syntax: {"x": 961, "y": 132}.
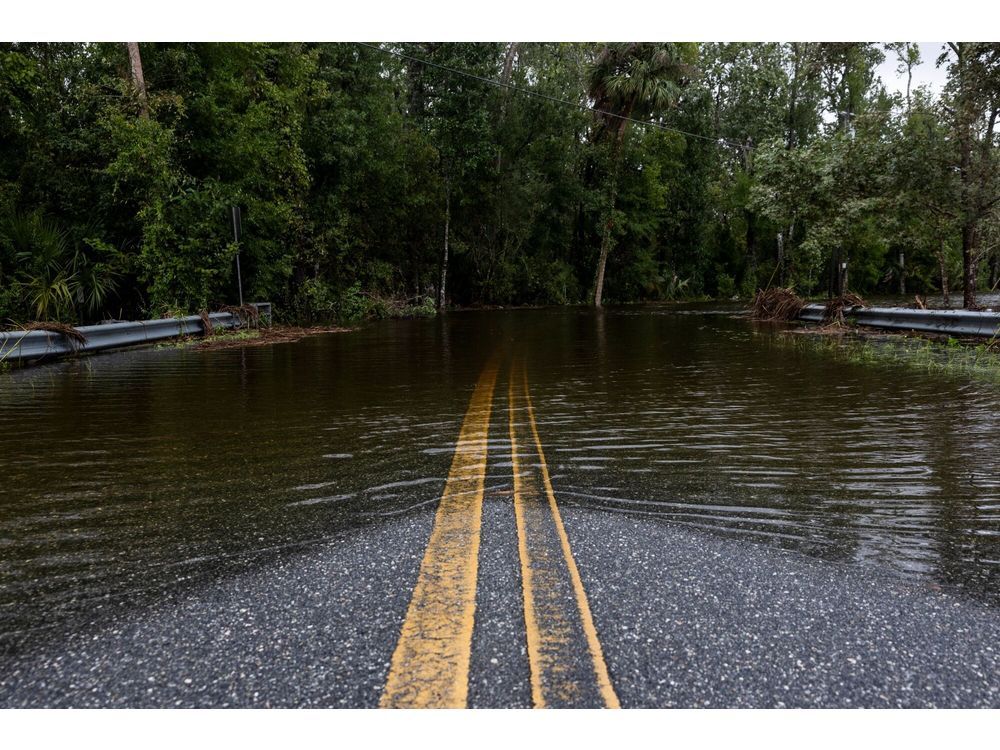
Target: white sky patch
{"x": 925, "y": 74}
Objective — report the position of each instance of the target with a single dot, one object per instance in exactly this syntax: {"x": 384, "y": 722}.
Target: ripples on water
{"x": 714, "y": 426}
{"x": 133, "y": 474}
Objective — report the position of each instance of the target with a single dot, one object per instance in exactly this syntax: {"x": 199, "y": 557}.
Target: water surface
{"x": 130, "y": 477}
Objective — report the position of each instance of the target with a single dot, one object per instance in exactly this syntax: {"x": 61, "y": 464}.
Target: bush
{"x": 187, "y": 257}
{"x": 352, "y": 304}
{"x": 748, "y": 287}
{"x": 423, "y": 307}
{"x": 725, "y": 286}
{"x": 554, "y": 281}
{"x": 314, "y": 300}
{"x": 10, "y": 301}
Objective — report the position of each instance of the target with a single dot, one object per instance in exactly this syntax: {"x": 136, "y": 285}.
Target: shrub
{"x": 726, "y": 286}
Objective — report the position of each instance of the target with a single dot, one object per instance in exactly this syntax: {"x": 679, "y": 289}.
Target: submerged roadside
{"x": 248, "y": 325}
{"x": 936, "y": 341}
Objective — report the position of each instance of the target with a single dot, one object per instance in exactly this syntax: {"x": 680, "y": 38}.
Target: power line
{"x": 540, "y": 95}
{"x": 901, "y": 111}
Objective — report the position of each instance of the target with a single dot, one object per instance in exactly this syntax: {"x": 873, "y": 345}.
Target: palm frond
{"x": 630, "y": 79}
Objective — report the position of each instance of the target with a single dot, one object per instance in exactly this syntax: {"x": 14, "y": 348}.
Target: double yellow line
{"x": 430, "y": 666}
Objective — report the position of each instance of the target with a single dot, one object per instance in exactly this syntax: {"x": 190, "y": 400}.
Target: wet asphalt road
{"x": 172, "y": 575}
{"x": 692, "y": 620}
{"x": 685, "y": 619}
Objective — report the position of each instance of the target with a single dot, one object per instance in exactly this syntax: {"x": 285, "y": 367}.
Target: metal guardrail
{"x": 26, "y": 346}
{"x": 951, "y": 322}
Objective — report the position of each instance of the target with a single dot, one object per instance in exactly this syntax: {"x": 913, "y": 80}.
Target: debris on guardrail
{"x": 833, "y": 314}
{"x": 776, "y": 304}
{"x": 43, "y": 341}
{"x": 980, "y": 323}
{"x": 206, "y": 322}
{"x": 248, "y": 314}
{"x": 71, "y": 333}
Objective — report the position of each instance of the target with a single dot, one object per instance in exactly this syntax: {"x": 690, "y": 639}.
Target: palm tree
{"x": 55, "y": 276}
{"x": 630, "y": 80}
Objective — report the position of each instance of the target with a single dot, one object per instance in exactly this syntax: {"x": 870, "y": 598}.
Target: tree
{"x": 138, "y": 79}
{"x": 973, "y": 92}
{"x": 630, "y": 80}
{"x": 353, "y": 164}
{"x": 907, "y": 58}
{"x": 750, "y": 89}
{"x": 454, "y": 114}
{"x": 926, "y": 191}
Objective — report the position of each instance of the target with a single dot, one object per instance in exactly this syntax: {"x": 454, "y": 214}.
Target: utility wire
{"x": 540, "y": 95}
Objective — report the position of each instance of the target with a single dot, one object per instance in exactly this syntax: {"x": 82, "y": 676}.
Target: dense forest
{"x": 389, "y": 178}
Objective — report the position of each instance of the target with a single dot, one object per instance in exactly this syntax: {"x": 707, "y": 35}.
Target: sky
{"x": 925, "y": 73}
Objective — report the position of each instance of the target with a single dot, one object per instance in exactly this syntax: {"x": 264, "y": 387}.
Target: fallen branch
{"x": 833, "y": 314}
{"x": 248, "y": 315}
{"x": 206, "y": 322}
{"x": 63, "y": 329}
{"x": 273, "y": 335}
{"x": 776, "y": 304}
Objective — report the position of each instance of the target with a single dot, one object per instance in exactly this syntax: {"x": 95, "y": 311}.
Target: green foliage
{"x": 725, "y": 285}
{"x": 315, "y": 300}
{"x": 186, "y": 253}
{"x": 346, "y": 160}
{"x": 10, "y": 301}
{"x": 352, "y": 304}
{"x": 949, "y": 358}
{"x": 54, "y": 278}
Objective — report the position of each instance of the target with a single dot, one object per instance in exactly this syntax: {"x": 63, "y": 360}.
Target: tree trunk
{"x": 781, "y": 258}
{"x": 415, "y": 77}
{"x": 505, "y": 74}
{"x": 902, "y": 272}
{"x": 602, "y": 259}
{"x": 965, "y": 114}
{"x": 444, "y": 258}
{"x": 508, "y": 69}
{"x": 749, "y": 218}
{"x": 970, "y": 265}
{"x": 607, "y": 235}
{"x": 793, "y": 97}
{"x": 781, "y": 252}
{"x": 138, "y": 80}
{"x": 943, "y": 265}
{"x": 909, "y": 84}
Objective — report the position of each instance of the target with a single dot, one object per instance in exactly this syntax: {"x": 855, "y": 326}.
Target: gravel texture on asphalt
{"x": 689, "y": 619}
{"x": 313, "y": 630}
{"x": 685, "y": 618}
{"x": 498, "y": 674}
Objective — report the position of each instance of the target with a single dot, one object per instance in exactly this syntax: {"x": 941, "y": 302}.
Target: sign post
{"x": 237, "y": 233}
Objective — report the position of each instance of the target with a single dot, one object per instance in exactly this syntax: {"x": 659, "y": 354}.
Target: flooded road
{"x": 135, "y": 472}
{"x": 136, "y": 479}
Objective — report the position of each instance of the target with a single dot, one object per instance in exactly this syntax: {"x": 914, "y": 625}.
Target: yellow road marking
{"x": 527, "y": 580}
{"x": 549, "y": 636}
{"x": 430, "y": 667}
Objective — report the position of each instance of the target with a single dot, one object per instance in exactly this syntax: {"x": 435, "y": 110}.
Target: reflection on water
{"x": 129, "y": 476}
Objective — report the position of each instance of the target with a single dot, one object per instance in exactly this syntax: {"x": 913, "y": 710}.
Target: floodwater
{"x": 128, "y": 478}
